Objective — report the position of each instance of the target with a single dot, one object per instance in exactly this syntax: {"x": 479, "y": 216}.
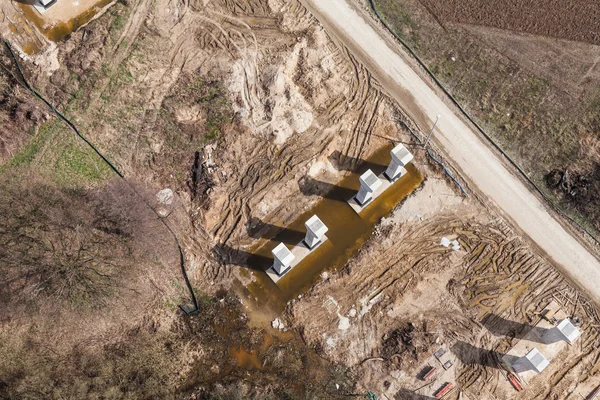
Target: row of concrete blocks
{"x": 316, "y": 229}
{"x": 534, "y": 360}
{"x": 369, "y": 182}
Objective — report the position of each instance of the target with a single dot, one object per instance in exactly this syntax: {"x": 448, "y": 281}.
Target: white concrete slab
{"x": 43, "y": 5}
{"x": 385, "y": 184}
{"x": 534, "y": 340}
{"x": 300, "y": 252}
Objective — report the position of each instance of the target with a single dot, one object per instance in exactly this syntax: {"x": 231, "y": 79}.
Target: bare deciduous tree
{"x": 70, "y": 245}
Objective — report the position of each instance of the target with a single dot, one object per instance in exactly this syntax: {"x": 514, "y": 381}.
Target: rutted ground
{"x": 234, "y": 105}
{"x": 405, "y": 295}
{"x": 229, "y": 106}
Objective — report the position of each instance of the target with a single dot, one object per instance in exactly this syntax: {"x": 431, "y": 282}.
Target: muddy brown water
{"x": 60, "y": 31}
{"x": 348, "y": 231}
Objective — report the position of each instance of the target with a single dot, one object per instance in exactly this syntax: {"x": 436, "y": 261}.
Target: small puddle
{"x": 347, "y": 233}
{"x": 30, "y": 48}
{"x": 247, "y": 360}
{"x": 59, "y": 31}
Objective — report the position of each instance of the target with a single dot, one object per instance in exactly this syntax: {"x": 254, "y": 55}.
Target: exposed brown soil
{"x": 250, "y": 112}
{"x": 404, "y": 296}
{"x": 229, "y": 106}
{"x": 577, "y": 21}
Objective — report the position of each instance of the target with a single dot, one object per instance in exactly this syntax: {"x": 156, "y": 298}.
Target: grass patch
{"x": 76, "y": 164}
{"x": 46, "y": 133}
{"x": 55, "y": 151}
{"x": 398, "y": 18}
{"x": 120, "y": 14}
{"x": 213, "y": 96}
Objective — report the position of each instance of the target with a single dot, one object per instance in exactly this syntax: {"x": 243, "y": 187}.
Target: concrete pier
{"x": 400, "y": 158}
{"x": 532, "y": 361}
{"x": 283, "y": 258}
{"x": 286, "y": 260}
{"x": 564, "y": 331}
{"x": 369, "y": 183}
{"x": 315, "y": 231}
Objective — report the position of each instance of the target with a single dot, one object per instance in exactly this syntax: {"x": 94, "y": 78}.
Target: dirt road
{"x": 388, "y": 63}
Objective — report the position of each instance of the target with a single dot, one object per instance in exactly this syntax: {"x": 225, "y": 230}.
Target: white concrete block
{"x": 534, "y": 360}
{"x": 400, "y": 158}
{"x": 315, "y": 231}
{"x": 564, "y": 330}
{"x": 369, "y": 182}
{"x": 283, "y": 258}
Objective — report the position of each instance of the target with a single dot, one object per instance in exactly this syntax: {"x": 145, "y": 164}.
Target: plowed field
{"x": 572, "y": 20}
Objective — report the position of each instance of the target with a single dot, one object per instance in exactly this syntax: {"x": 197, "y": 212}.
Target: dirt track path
{"x": 463, "y": 145}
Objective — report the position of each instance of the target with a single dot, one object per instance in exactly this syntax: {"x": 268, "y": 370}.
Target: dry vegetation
{"x": 188, "y": 358}
{"x": 19, "y": 112}
{"x": 67, "y": 246}
{"x": 580, "y": 22}
{"x": 537, "y": 96}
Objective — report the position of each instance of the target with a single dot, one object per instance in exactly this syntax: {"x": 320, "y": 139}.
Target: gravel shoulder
{"x": 461, "y": 142}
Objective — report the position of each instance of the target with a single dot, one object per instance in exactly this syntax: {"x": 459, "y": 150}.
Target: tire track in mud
{"x": 503, "y": 277}
{"x": 413, "y": 253}
{"x": 200, "y": 30}
{"x": 495, "y": 264}
{"x": 247, "y": 7}
{"x": 299, "y": 13}
{"x": 270, "y": 164}
{"x": 266, "y": 167}
{"x": 230, "y": 29}
{"x": 131, "y": 31}
{"x": 180, "y": 48}
{"x": 237, "y": 204}
{"x": 498, "y": 274}
{"x": 365, "y": 96}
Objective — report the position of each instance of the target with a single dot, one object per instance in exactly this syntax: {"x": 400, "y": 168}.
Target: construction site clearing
{"x": 418, "y": 290}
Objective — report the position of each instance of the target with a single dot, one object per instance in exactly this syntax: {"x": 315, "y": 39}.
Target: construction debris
{"x": 443, "y": 390}
{"x": 277, "y": 324}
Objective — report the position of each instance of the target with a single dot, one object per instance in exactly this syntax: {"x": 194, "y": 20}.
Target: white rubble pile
{"x": 278, "y": 324}
{"x": 455, "y": 245}
{"x": 165, "y": 199}
{"x": 343, "y": 324}
{"x": 447, "y": 242}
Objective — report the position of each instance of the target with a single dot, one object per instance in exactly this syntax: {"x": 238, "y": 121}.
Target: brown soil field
{"x": 578, "y": 21}
{"x": 251, "y": 114}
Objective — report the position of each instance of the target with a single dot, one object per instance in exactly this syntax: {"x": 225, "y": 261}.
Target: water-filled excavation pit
{"x": 347, "y": 232}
